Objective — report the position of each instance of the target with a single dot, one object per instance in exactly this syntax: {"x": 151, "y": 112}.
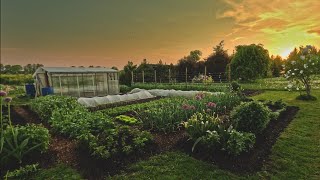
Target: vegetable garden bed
{"x": 247, "y": 162}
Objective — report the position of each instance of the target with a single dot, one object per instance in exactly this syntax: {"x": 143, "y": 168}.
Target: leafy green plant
{"x": 250, "y": 117}
{"x": 122, "y": 140}
{"x": 127, "y": 119}
{"x": 239, "y": 142}
{"x": 200, "y": 123}
{"x": 22, "y": 140}
{"x": 23, "y": 173}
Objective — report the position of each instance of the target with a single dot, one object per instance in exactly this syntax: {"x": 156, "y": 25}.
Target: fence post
{"x": 205, "y": 70}
{"x": 186, "y": 75}
{"x": 131, "y": 77}
{"x": 155, "y": 76}
{"x": 143, "y": 77}
{"x": 169, "y": 75}
{"x": 229, "y": 74}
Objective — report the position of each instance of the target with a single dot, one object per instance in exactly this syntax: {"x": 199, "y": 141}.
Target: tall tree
{"x": 250, "y": 62}
{"x": 276, "y": 66}
{"x": 218, "y": 60}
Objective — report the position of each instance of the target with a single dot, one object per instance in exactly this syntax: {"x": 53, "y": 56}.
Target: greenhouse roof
{"x": 74, "y": 70}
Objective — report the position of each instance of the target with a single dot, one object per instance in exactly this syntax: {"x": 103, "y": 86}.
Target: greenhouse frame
{"x": 76, "y": 81}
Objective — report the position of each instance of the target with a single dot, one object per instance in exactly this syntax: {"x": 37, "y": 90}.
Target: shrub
{"x": 235, "y": 86}
{"x": 301, "y": 68}
{"x": 249, "y": 62}
{"x": 250, "y": 117}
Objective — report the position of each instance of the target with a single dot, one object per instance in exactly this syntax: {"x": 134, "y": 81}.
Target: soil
{"x": 246, "y": 162}
{"x": 251, "y": 92}
{"x": 67, "y": 151}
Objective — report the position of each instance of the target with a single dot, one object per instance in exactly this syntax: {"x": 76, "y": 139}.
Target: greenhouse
{"x": 76, "y": 81}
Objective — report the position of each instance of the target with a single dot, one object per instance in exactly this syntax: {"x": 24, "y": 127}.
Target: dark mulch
{"x": 246, "y": 162}
{"x": 252, "y": 92}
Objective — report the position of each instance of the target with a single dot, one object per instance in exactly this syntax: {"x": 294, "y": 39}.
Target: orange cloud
{"x": 279, "y": 24}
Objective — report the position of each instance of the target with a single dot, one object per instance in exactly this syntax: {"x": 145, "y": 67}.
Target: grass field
{"x": 295, "y": 155}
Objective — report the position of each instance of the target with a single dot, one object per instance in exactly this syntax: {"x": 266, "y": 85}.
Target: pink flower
{"x": 3, "y": 93}
{"x": 192, "y": 107}
{"x": 200, "y": 96}
{"x": 211, "y": 105}
{"x": 185, "y": 106}
{"x": 7, "y": 99}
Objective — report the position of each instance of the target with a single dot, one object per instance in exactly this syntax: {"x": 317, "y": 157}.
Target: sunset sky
{"x": 111, "y": 32}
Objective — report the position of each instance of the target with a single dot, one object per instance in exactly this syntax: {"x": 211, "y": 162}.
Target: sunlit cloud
{"x": 281, "y": 25}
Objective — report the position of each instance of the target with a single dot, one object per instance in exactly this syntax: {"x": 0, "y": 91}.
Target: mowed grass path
{"x": 296, "y": 154}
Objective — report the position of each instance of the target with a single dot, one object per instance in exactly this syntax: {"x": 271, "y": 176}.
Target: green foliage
{"x": 127, "y": 119}
{"x": 23, "y": 140}
{"x": 122, "y": 140}
{"x": 16, "y": 79}
{"x": 249, "y": 62}
{"x": 213, "y": 133}
{"x": 184, "y": 87}
{"x": 23, "y": 173}
{"x": 132, "y": 107}
{"x": 167, "y": 115}
{"x": 99, "y": 133}
{"x": 58, "y": 172}
{"x": 200, "y": 123}
{"x": 125, "y": 88}
{"x": 250, "y": 117}
{"x": 235, "y": 86}
{"x": 276, "y": 66}
{"x": 45, "y": 105}
{"x": 239, "y": 142}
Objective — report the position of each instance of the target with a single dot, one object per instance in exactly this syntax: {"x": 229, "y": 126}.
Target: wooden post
{"x": 205, "y": 70}
{"x": 155, "y": 76}
{"x": 131, "y": 77}
{"x": 169, "y": 75}
{"x": 94, "y": 89}
{"x": 186, "y": 75}
{"x": 78, "y": 85}
{"x": 60, "y": 85}
{"x": 143, "y": 77}
{"x": 229, "y": 74}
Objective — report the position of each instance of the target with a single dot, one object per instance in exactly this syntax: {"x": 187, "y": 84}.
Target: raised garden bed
{"x": 246, "y": 162}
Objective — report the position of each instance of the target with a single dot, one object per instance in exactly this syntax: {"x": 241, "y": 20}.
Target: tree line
{"x": 18, "y": 69}
{"x": 246, "y": 63}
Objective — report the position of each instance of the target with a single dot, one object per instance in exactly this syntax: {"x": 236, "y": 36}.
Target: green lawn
{"x": 296, "y": 154}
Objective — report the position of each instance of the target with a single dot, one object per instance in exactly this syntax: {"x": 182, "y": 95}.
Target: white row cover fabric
{"x": 96, "y": 101}
{"x": 173, "y": 93}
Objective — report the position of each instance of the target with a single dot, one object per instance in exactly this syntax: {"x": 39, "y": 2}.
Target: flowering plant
{"x": 202, "y": 79}
{"x": 301, "y": 67}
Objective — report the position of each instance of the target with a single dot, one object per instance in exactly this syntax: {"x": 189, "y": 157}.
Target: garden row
{"x": 211, "y": 87}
